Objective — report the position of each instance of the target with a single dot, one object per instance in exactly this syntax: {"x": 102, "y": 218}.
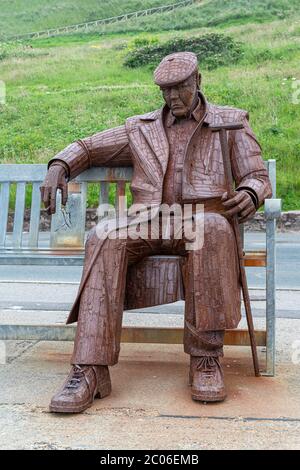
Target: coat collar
{"x": 196, "y": 115}
{"x": 161, "y": 113}
{"x": 152, "y": 128}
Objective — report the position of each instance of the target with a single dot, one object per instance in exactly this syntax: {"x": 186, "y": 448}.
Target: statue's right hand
{"x": 55, "y": 179}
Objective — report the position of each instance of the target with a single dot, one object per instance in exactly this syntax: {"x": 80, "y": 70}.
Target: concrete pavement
{"x": 150, "y": 407}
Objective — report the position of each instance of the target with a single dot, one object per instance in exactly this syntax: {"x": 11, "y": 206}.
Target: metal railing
{"x": 104, "y": 21}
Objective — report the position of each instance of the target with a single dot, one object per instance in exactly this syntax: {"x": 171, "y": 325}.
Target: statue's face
{"x": 181, "y": 98}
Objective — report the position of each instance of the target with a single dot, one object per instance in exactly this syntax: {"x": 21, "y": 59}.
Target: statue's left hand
{"x": 55, "y": 179}
{"x": 241, "y": 204}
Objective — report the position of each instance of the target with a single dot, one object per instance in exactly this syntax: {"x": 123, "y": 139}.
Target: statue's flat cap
{"x": 175, "y": 68}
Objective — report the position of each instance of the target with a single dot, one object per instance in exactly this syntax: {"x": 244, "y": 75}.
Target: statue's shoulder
{"x": 135, "y": 121}
{"x": 227, "y": 113}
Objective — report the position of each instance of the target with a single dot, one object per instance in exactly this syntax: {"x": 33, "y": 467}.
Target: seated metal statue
{"x": 176, "y": 159}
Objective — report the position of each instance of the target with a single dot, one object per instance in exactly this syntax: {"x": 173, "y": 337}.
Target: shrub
{"x": 142, "y": 41}
{"x": 212, "y": 50}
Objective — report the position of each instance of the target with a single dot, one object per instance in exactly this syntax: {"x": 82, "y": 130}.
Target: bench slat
{"x": 104, "y": 193}
{"x": 96, "y": 174}
{"x": 120, "y": 193}
{"x": 35, "y": 216}
{"x": 19, "y": 215}
{"x": 255, "y": 258}
{"x": 22, "y": 172}
{"x": 4, "y": 204}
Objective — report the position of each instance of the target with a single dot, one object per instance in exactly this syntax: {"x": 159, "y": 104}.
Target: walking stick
{"x": 235, "y": 224}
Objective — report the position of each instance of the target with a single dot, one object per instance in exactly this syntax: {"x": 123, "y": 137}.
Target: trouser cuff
{"x": 204, "y": 343}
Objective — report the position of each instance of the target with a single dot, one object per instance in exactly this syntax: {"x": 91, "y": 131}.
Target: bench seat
{"x": 71, "y": 257}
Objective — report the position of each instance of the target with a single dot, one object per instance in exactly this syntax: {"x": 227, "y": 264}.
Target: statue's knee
{"x": 111, "y": 239}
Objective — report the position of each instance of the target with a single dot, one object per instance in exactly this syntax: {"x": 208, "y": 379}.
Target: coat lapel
{"x": 154, "y": 142}
{"x": 155, "y": 136}
{"x": 145, "y": 156}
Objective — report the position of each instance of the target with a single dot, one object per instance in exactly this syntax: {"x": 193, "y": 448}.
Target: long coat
{"x": 142, "y": 143}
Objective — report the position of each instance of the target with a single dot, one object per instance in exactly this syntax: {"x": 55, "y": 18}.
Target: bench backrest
{"x": 67, "y": 225}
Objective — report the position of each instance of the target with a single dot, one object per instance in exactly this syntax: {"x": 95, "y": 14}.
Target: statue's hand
{"x": 54, "y": 180}
{"x": 241, "y": 204}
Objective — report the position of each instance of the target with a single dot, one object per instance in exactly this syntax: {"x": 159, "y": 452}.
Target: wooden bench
{"x": 66, "y": 247}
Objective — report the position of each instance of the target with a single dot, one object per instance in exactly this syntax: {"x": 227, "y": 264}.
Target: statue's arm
{"x": 249, "y": 171}
{"x": 107, "y": 148}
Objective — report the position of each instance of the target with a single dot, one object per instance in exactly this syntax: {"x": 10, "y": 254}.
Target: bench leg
{"x": 270, "y": 295}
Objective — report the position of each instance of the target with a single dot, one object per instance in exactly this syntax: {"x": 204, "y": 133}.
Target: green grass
{"x": 21, "y": 16}
{"x": 71, "y": 87}
{"x": 25, "y": 16}
{"x": 211, "y": 13}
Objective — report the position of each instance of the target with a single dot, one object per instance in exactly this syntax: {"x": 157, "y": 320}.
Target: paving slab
{"x": 150, "y": 406}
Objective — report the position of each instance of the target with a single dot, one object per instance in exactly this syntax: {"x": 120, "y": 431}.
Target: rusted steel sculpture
{"x": 177, "y": 159}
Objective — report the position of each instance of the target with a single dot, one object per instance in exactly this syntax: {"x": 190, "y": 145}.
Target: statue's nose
{"x": 174, "y": 93}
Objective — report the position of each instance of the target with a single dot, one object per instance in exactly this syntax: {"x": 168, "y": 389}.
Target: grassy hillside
{"x": 210, "y": 13}
{"x": 61, "y": 89}
{"x": 21, "y": 16}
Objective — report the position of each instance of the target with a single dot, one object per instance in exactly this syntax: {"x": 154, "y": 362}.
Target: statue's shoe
{"x": 82, "y": 386}
{"x": 207, "y": 379}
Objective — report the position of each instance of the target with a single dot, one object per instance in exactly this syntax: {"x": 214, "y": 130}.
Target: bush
{"x": 142, "y": 41}
{"x": 212, "y": 50}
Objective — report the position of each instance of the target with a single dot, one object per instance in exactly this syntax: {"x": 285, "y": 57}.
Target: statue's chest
{"x": 204, "y": 156}
{"x": 178, "y": 136}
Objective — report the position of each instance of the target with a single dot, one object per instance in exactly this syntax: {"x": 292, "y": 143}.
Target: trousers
{"x": 211, "y": 282}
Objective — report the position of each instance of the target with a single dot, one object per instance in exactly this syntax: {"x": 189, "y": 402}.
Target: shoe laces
{"x": 207, "y": 364}
{"x": 78, "y": 373}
